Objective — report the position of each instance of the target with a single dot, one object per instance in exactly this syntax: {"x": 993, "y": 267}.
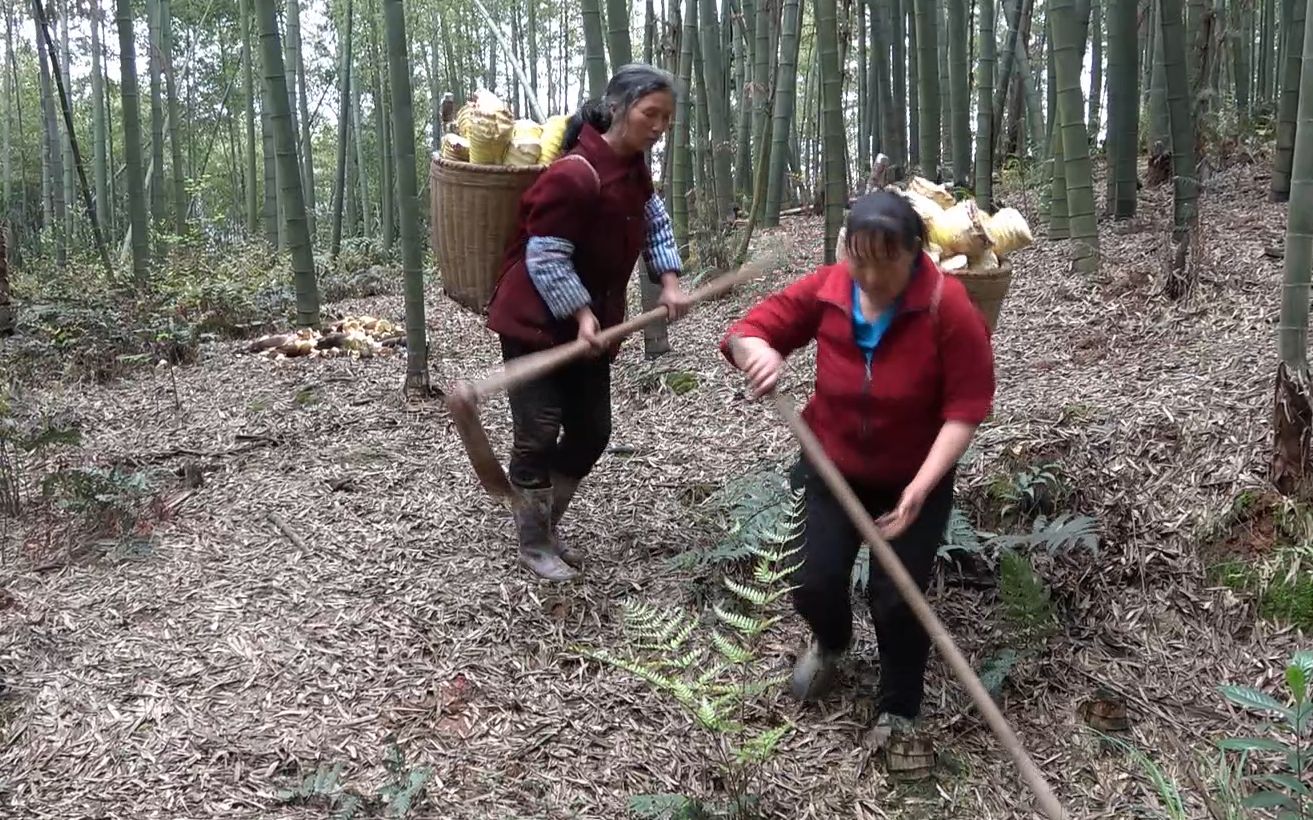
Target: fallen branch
{"x": 286, "y": 529}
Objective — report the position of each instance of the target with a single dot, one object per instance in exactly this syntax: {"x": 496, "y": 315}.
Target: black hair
{"x": 884, "y": 219}
{"x": 630, "y": 84}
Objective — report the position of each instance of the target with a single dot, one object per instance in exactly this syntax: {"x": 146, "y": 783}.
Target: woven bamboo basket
{"x": 474, "y": 210}
{"x": 987, "y": 289}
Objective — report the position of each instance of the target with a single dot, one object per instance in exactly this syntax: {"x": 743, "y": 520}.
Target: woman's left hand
{"x": 895, "y": 522}
{"x": 674, "y": 298}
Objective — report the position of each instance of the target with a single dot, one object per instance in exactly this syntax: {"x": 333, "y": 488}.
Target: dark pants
{"x": 562, "y": 421}
{"x": 830, "y": 544}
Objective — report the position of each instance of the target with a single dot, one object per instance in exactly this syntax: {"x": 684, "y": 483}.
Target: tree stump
{"x": 1292, "y": 427}
{"x": 1160, "y": 165}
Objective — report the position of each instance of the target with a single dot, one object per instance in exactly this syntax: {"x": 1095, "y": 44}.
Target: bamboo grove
{"x": 813, "y": 92}
{"x": 307, "y": 123}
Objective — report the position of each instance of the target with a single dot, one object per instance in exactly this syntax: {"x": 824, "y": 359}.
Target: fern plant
{"x": 709, "y": 664}
{"x": 1287, "y": 791}
{"x": 748, "y": 511}
{"x": 1065, "y": 533}
{"x": 1027, "y": 607}
{"x": 325, "y": 788}
{"x": 960, "y": 536}
{"x": 1032, "y": 491}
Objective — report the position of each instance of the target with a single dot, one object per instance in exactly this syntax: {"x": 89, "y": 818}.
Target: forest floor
{"x": 339, "y": 585}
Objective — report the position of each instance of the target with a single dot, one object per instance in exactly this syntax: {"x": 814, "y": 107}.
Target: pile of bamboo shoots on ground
{"x": 357, "y": 337}
{"x": 486, "y": 133}
{"x": 962, "y": 238}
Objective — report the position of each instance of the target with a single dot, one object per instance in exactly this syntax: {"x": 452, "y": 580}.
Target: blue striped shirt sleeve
{"x": 660, "y": 252}
{"x": 551, "y": 269}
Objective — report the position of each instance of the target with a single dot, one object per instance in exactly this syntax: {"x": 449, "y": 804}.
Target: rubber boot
{"x": 533, "y": 512}
{"x": 813, "y": 674}
{"x": 563, "y": 490}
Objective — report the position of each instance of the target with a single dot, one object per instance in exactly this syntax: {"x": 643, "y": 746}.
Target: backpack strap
{"x": 935, "y": 297}
{"x": 597, "y": 180}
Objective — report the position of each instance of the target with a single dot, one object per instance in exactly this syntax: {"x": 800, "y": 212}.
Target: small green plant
{"x": 960, "y": 536}
{"x": 1065, "y": 533}
{"x": 712, "y": 672}
{"x": 406, "y": 785}
{"x": 1031, "y": 492}
{"x": 1286, "y": 791}
{"x": 1028, "y": 616}
{"x": 325, "y": 788}
{"x": 680, "y": 381}
{"x": 21, "y": 440}
{"x": 1027, "y": 607}
{"x": 1164, "y": 786}
{"x": 110, "y": 500}
{"x": 747, "y": 511}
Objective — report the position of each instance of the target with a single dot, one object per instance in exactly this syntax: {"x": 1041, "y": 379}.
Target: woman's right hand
{"x": 588, "y": 328}
{"x": 761, "y": 363}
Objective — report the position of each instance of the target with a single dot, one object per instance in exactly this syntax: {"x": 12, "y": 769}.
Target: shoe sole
{"x": 569, "y": 574}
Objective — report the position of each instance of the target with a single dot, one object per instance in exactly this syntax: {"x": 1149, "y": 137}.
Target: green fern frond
{"x": 743, "y": 623}
{"x": 677, "y": 628}
{"x": 683, "y": 693}
{"x": 642, "y": 620}
{"x": 762, "y": 746}
{"x": 960, "y": 535}
{"x": 688, "y": 660}
{"x": 1066, "y": 532}
{"x": 704, "y": 680}
{"x": 753, "y": 595}
{"x": 678, "y": 640}
{"x": 732, "y": 651}
{"x": 1027, "y": 607}
{"x": 775, "y": 555}
{"x": 638, "y": 669}
{"x": 748, "y": 690}
{"x": 768, "y": 577}
{"x": 707, "y": 715}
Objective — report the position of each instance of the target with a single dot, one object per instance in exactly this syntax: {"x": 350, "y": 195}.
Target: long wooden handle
{"x": 527, "y": 368}
{"x": 906, "y": 587}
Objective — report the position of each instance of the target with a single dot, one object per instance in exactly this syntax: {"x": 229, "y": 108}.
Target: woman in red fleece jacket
{"x": 904, "y": 374}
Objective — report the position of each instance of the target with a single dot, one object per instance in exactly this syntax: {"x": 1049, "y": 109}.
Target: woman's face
{"x": 647, "y": 120}
{"x": 880, "y": 268}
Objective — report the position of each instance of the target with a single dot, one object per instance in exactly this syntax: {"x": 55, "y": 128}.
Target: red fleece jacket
{"x": 933, "y": 364}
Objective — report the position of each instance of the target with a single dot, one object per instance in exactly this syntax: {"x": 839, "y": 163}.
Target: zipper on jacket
{"x": 866, "y": 390}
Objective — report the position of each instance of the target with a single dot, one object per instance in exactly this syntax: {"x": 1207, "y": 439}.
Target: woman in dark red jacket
{"x": 582, "y": 227}
{"x": 904, "y": 374}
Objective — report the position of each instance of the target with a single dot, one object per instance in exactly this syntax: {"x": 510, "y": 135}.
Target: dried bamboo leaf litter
{"x": 197, "y": 680}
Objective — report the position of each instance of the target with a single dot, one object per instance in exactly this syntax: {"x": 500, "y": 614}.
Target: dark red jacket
{"x": 607, "y": 227}
{"x": 932, "y": 365}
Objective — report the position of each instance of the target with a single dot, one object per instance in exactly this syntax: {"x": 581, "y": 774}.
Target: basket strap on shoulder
{"x": 597, "y": 179}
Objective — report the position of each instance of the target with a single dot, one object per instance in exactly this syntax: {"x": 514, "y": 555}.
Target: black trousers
{"x": 561, "y": 422}
{"x": 829, "y": 546}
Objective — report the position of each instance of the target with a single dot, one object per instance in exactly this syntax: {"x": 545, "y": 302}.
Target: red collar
{"x": 603, "y": 157}
{"x": 837, "y": 289}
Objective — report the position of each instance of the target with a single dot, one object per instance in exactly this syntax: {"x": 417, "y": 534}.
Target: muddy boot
{"x": 533, "y": 511}
{"x": 887, "y": 727}
{"x": 813, "y": 674}
{"x": 563, "y": 490}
